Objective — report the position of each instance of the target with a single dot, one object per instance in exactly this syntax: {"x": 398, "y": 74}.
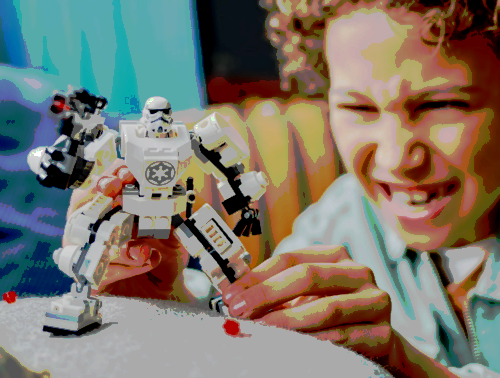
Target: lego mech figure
{"x": 157, "y": 151}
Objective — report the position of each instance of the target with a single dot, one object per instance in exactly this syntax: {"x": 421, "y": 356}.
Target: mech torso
{"x": 156, "y": 163}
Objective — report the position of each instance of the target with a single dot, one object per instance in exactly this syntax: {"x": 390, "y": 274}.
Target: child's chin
{"x": 424, "y": 240}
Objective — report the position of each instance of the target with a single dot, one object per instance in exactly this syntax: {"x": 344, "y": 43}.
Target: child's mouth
{"x": 419, "y": 197}
{"x": 420, "y": 202}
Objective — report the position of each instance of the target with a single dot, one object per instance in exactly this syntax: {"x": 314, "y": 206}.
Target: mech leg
{"x": 75, "y": 312}
{"x": 223, "y": 257}
{"x": 95, "y": 232}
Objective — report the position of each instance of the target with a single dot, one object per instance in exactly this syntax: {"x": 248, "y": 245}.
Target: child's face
{"x": 403, "y": 118}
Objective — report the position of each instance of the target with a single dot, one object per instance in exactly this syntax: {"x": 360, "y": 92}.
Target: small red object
{"x": 231, "y": 327}
{"x": 10, "y": 297}
{"x": 59, "y": 105}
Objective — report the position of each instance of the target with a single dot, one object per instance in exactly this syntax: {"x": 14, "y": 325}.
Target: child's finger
{"x": 118, "y": 272}
{"x": 132, "y": 254}
{"x": 301, "y": 300}
{"x": 130, "y": 262}
{"x": 109, "y": 186}
{"x": 278, "y": 264}
{"x": 124, "y": 174}
{"x": 112, "y": 186}
{"x": 293, "y": 303}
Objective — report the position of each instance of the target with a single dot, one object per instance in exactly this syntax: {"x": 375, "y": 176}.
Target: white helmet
{"x": 157, "y": 117}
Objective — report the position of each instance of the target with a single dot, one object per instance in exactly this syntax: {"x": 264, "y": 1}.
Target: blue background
{"x": 126, "y": 51}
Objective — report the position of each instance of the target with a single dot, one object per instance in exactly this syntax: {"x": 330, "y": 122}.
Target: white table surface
{"x": 153, "y": 338}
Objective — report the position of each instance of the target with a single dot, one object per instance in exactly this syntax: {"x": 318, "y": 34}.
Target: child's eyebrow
{"x": 429, "y": 94}
{"x": 456, "y": 89}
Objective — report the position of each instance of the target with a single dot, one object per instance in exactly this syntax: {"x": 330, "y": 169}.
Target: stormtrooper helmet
{"x": 157, "y": 117}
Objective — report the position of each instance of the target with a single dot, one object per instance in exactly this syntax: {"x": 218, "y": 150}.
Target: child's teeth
{"x": 401, "y": 196}
{"x": 419, "y": 197}
{"x": 407, "y": 197}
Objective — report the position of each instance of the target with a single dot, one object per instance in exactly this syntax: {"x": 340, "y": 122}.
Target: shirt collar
{"x": 397, "y": 250}
{"x": 396, "y": 247}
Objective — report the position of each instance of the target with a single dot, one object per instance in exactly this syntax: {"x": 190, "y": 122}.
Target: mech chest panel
{"x": 156, "y": 163}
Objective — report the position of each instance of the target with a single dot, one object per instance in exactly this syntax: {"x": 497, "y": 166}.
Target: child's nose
{"x": 417, "y": 157}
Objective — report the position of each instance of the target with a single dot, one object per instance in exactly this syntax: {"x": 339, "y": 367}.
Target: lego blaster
{"x": 79, "y": 113}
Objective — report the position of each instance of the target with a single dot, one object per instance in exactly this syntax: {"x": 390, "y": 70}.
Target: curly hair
{"x": 296, "y": 29}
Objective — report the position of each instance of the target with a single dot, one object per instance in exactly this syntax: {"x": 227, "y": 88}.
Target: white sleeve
{"x": 474, "y": 371}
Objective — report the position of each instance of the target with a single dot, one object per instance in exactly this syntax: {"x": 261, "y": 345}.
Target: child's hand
{"x": 145, "y": 267}
{"x": 320, "y": 292}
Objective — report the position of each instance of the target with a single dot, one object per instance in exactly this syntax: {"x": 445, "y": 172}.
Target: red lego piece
{"x": 10, "y": 297}
{"x": 231, "y": 327}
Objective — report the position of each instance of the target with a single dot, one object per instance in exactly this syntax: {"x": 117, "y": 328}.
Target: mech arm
{"x": 84, "y": 140}
{"x": 67, "y": 164}
{"x": 220, "y": 150}
{"x": 223, "y": 258}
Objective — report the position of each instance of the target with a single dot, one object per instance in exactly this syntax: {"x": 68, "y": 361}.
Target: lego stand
{"x": 152, "y": 338}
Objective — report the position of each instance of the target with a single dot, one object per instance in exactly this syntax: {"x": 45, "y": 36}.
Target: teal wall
{"x": 124, "y": 50}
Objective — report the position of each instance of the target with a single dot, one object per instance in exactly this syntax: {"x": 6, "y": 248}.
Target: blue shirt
{"x": 421, "y": 310}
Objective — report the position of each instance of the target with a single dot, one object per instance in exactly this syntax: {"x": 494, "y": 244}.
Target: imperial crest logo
{"x": 160, "y": 173}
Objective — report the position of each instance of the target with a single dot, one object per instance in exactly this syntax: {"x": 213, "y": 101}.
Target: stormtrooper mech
{"x": 157, "y": 151}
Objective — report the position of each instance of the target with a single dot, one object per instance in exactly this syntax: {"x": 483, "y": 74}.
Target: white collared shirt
{"x": 421, "y": 310}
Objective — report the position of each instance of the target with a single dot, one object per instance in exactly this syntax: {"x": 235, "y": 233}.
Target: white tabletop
{"x": 152, "y": 338}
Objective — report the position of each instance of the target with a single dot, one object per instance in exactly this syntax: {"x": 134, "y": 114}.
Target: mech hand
{"x": 59, "y": 165}
{"x": 146, "y": 267}
{"x": 321, "y": 292}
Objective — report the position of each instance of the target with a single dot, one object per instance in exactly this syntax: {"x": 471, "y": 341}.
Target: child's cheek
{"x": 449, "y": 138}
{"x": 350, "y": 139}
{"x": 485, "y": 161}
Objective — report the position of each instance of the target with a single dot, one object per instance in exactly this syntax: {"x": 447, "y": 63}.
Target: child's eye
{"x": 442, "y": 105}
{"x": 362, "y": 108}
{"x": 422, "y": 107}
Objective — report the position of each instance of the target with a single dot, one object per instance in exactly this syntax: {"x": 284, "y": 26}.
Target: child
{"x": 399, "y": 259}
{"x": 410, "y": 270}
